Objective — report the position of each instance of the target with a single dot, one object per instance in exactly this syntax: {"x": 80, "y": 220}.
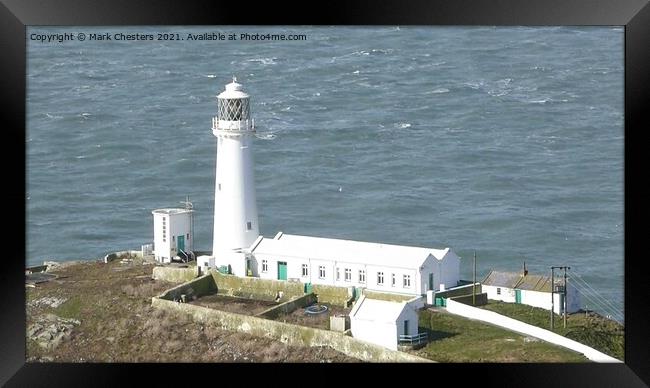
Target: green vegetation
{"x": 457, "y": 339}
{"x": 70, "y": 309}
{"x": 590, "y": 329}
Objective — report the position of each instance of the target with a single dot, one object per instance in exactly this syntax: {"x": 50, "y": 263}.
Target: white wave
{"x": 210, "y": 76}
{"x": 81, "y": 157}
{"x": 265, "y": 136}
{"x": 264, "y": 61}
{"x": 355, "y": 72}
{"x": 404, "y": 125}
{"x": 439, "y": 90}
{"x": 542, "y": 101}
{"x": 49, "y": 116}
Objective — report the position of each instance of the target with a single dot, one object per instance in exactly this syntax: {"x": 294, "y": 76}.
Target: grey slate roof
{"x": 516, "y": 280}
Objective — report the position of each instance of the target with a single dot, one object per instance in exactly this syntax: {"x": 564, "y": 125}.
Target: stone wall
{"x": 256, "y": 288}
{"x": 287, "y": 333}
{"x": 174, "y": 274}
{"x": 459, "y": 291}
{"x": 481, "y": 299}
{"x": 203, "y": 285}
{"x": 331, "y": 294}
{"x": 386, "y": 296}
{"x": 288, "y": 307}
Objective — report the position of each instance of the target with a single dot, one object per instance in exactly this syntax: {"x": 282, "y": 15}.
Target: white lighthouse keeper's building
{"x": 172, "y": 233}
{"x": 235, "y": 207}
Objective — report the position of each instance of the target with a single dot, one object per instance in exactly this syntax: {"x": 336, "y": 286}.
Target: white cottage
{"x": 381, "y": 322}
{"x": 344, "y": 263}
{"x": 172, "y": 231}
{"x": 532, "y": 290}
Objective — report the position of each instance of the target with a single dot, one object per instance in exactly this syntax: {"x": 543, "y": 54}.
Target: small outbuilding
{"x": 382, "y": 322}
{"x": 173, "y": 234}
{"x": 532, "y": 290}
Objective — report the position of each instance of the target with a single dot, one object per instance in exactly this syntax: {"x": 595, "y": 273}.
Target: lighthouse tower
{"x": 235, "y": 205}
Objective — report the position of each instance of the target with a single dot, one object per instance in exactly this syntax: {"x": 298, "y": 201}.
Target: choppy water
{"x": 507, "y": 141}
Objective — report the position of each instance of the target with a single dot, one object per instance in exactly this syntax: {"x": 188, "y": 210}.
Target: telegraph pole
{"x": 474, "y": 284}
{"x": 564, "y": 304}
{"x": 552, "y": 294}
{"x": 565, "y": 295}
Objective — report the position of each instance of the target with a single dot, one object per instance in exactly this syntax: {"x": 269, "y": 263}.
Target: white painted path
{"x": 524, "y": 328}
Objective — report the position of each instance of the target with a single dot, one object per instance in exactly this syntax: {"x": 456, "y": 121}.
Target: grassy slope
{"x": 118, "y": 324}
{"x": 592, "y": 330}
{"x": 457, "y": 339}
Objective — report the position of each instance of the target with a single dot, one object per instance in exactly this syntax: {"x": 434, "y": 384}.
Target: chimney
{"x": 525, "y": 270}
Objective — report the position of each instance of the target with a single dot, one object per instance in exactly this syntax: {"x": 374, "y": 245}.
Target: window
{"x": 338, "y": 274}
{"x": 321, "y": 272}
{"x": 362, "y": 276}
{"x": 233, "y": 109}
{"x": 164, "y": 230}
{"x": 173, "y": 238}
{"x": 305, "y": 270}
{"x": 265, "y": 266}
{"x": 249, "y": 225}
{"x": 348, "y": 274}
{"x": 188, "y": 236}
{"x": 380, "y": 278}
{"x": 407, "y": 281}
{"x": 219, "y": 186}
{"x": 392, "y": 280}
{"x": 498, "y": 291}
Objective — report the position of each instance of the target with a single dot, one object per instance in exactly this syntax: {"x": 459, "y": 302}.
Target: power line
{"x": 604, "y": 300}
{"x": 597, "y": 301}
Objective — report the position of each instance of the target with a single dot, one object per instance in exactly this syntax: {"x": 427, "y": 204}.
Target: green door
{"x": 282, "y": 270}
{"x": 430, "y": 282}
{"x": 181, "y": 243}
{"x": 406, "y": 327}
{"x": 517, "y": 296}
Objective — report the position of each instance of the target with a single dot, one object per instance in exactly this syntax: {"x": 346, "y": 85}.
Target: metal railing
{"x": 413, "y": 339}
{"x": 236, "y": 125}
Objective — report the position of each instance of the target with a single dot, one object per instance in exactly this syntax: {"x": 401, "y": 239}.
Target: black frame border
{"x": 15, "y": 15}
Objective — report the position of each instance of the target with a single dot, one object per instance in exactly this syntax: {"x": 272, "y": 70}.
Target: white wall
{"x": 524, "y": 328}
{"x": 507, "y": 294}
{"x": 294, "y": 270}
{"x": 412, "y": 316}
{"x": 235, "y": 201}
{"x": 379, "y": 333}
{"x": 535, "y": 298}
{"x": 176, "y": 225}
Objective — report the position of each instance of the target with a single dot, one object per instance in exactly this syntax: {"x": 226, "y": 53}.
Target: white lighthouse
{"x": 235, "y": 205}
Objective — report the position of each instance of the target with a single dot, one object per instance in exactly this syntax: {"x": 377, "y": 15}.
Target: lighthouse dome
{"x": 233, "y": 90}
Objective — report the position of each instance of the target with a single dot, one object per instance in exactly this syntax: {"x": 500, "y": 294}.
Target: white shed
{"x": 532, "y": 290}
{"x": 344, "y": 263}
{"x": 381, "y": 322}
{"x": 172, "y": 232}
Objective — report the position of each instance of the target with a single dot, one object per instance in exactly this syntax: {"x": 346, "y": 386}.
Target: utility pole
{"x": 474, "y": 284}
{"x": 552, "y": 294}
{"x": 565, "y": 295}
{"x": 564, "y": 304}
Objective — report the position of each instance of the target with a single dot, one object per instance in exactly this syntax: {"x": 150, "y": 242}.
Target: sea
{"x": 504, "y": 142}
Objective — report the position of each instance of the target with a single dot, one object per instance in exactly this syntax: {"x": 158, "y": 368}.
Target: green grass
{"x": 592, "y": 330}
{"x": 458, "y": 339}
{"x": 70, "y": 309}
